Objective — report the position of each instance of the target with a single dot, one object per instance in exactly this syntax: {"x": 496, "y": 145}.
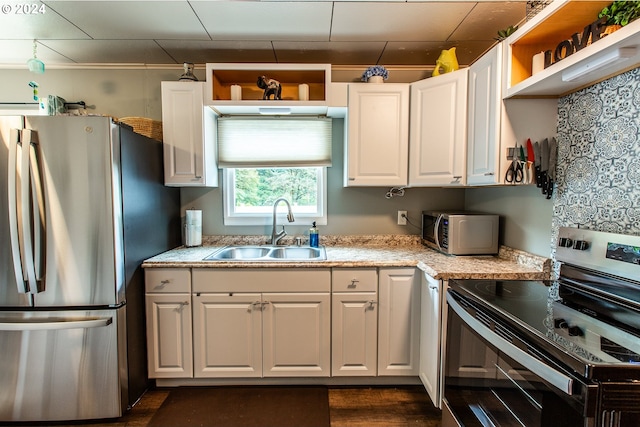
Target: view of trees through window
{"x": 257, "y": 189}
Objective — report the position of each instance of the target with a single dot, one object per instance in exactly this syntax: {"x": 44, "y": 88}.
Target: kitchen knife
{"x": 544, "y": 164}
{"x": 536, "y": 162}
{"x": 530, "y": 161}
{"x": 553, "y": 160}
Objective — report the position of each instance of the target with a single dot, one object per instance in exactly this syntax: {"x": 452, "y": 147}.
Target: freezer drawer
{"x": 60, "y": 365}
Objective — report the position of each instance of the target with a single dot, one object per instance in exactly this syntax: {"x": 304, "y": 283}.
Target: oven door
{"x": 493, "y": 378}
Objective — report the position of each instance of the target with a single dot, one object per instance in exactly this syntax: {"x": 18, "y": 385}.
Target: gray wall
{"x": 350, "y": 210}
{"x": 115, "y": 92}
{"x": 525, "y": 215}
{"x": 121, "y": 92}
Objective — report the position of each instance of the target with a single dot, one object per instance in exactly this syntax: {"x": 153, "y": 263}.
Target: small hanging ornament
{"x": 34, "y": 64}
{"x": 34, "y": 86}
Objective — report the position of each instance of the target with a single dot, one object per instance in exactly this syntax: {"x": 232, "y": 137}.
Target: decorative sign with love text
{"x": 591, "y": 34}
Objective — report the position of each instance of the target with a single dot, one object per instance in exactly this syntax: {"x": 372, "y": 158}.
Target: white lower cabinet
{"x": 398, "y": 321}
{"x": 227, "y": 335}
{"x": 168, "y": 313}
{"x": 259, "y": 323}
{"x": 432, "y": 345}
{"x": 239, "y": 332}
{"x": 296, "y": 335}
{"x": 354, "y": 322}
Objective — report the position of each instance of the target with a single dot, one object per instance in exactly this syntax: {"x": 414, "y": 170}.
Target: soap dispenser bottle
{"x": 313, "y": 236}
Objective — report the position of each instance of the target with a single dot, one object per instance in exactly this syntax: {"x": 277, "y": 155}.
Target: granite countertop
{"x": 370, "y": 251}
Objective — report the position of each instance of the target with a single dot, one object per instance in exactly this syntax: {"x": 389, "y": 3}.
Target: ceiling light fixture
{"x": 607, "y": 60}
{"x": 274, "y": 110}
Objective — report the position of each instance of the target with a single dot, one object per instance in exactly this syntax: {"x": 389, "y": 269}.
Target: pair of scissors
{"x": 515, "y": 172}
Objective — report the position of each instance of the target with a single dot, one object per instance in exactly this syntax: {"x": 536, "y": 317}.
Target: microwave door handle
{"x": 39, "y": 213}
{"x": 436, "y": 228}
{"x": 14, "y": 184}
{"x": 25, "y": 192}
{"x": 557, "y": 379}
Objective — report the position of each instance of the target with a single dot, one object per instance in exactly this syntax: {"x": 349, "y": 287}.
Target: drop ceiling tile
{"x": 397, "y": 21}
{"x": 295, "y": 21}
{"x": 132, "y": 19}
{"x": 487, "y": 18}
{"x": 111, "y": 51}
{"x": 426, "y": 53}
{"x": 20, "y": 51}
{"x": 37, "y": 26}
{"x": 336, "y": 53}
{"x": 218, "y": 51}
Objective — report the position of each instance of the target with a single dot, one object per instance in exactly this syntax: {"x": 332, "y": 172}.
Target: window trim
{"x": 261, "y": 219}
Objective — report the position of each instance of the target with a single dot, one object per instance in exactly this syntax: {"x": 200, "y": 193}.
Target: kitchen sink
{"x": 268, "y": 253}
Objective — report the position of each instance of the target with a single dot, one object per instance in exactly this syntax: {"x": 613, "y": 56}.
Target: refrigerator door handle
{"x": 58, "y": 324}
{"x": 15, "y": 213}
{"x": 39, "y": 211}
{"x": 26, "y": 214}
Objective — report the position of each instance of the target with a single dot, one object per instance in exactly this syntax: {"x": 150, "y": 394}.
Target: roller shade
{"x": 274, "y": 141}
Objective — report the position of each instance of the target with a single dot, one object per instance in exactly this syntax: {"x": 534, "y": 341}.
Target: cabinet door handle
{"x": 372, "y": 304}
{"x": 163, "y": 283}
{"x": 488, "y": 174}
{"x": 264, "y": 303}
{"x": 353, "y": 283}
{"x": 181, "y": 306}
{"x": 434, "y": 287}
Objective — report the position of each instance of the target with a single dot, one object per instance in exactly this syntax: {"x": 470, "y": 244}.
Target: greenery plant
{"x": 621, "y": 12}
{"x": 503, "y": 34}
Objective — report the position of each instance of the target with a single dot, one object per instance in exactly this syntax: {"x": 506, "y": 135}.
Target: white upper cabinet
{"x": 378, "y": 135}
{"x": 188, "y": 136}
{"x": 484, "y": 103}
{"x": 438, "y": 130}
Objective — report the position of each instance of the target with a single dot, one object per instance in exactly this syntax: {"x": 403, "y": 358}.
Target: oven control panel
{"x": 602, "y": 342}
{"x": 617, "y": 254}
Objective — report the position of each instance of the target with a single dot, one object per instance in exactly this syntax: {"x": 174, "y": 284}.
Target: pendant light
{"x": 34, "y": 64}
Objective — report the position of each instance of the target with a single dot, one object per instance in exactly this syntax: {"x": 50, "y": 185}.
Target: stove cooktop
{"x": 528, "y": 307}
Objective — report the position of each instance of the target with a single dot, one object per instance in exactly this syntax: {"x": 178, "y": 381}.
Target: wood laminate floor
{"x": 349, "y": 407}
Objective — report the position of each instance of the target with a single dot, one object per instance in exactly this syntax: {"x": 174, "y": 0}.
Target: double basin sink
{"x": 268, "y": 253}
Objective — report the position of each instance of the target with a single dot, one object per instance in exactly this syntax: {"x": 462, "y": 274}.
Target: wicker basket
{"x": 144, "y": 126}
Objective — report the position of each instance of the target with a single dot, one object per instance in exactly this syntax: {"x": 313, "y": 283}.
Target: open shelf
{"x": 558, "y": 22}
{"x": 223, "y": 76}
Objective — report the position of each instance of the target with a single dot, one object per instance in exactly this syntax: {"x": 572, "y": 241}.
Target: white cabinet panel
{"x": 399, "y": 322}
{"x": 437, "y": 135}
{"x": 169, "y": 335}
{"x": 354, "y": 334}
{"x": 188, "y": 136}
{"x": 227, "y": 331}
{"x": 378, "y": 135}
{"x": 484, "y": 105}
{"x": 432, "y": 345}
{"x": 296, "y": 334}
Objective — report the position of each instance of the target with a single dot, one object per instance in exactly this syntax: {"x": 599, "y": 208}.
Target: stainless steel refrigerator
{"x": 81, "y": 205}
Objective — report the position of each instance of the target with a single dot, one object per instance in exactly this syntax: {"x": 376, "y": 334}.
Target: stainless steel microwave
{"x": 461, "y": 233}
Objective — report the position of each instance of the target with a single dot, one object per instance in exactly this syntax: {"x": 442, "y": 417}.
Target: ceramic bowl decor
{"x": 375, "y": 74}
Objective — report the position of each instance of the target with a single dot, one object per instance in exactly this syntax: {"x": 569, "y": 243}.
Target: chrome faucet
{"x": 275, "y": 237}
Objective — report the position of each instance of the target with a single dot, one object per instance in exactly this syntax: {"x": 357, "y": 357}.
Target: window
{"x": 249, "y": 194}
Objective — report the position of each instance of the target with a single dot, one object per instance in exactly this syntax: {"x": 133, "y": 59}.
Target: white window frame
{"x": 265, "y": 218}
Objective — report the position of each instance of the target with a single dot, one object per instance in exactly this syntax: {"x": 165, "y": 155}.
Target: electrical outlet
{"x": 402, "y": 220}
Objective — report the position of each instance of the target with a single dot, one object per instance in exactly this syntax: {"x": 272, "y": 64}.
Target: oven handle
{"x": 552, "y": 376}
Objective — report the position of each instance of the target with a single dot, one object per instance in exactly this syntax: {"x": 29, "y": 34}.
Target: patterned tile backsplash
{"x": 598, "y": 175}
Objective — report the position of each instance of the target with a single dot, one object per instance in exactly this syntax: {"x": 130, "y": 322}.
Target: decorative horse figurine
{"x": 447, "y": 61}
{"x": 270, "y": 87}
